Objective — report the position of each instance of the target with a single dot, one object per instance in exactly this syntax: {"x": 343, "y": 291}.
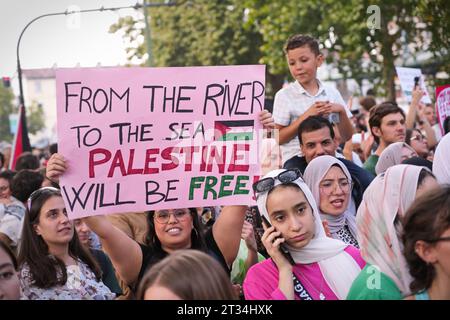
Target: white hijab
{"x": 390, "y": 194}
{"x": 391, "y": 156}
{"x": 338, "y": 267}
{"x": 441, "y": 162}
{"x": 314, "y": 174}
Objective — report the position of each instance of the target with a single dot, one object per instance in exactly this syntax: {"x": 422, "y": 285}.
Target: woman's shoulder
{"x": 372, "y": 284}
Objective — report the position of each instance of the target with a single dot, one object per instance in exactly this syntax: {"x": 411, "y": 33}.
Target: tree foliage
{"x": 215, "y": 32}
{"x": 35, "y": 118}
{"x": 6, "y": 108}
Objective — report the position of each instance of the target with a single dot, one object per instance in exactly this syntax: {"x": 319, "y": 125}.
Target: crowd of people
{"x": 354, "y": 205}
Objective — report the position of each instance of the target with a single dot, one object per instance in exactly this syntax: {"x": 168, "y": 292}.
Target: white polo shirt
{"x": 292, "y": 101}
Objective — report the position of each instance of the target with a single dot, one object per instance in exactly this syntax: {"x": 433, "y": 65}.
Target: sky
{"x": 62, "y": 40}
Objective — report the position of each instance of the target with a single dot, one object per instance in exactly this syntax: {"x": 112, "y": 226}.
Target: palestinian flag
{"x": 21, "y": 141}
{"x": 233, "y": 130}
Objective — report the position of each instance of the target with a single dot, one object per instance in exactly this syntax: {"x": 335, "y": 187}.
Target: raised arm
{"x": 227, "y": 231}
{"x": 124, "y": 252}
{"x": 417, "y": 94}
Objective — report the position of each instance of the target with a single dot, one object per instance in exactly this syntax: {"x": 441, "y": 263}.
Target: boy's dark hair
{"x": 2, "y": 160}
{"x": 301, "y": 40}
{"x": 313, "y": 123}
{"x": 27, "y": 161}
{"x": 426, "y": 220}
{"x": 378, "y": 112}
{"x": 25, "y": 183}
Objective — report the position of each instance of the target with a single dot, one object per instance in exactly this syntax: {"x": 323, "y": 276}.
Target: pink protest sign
{"x": 442, "y": 105}
{"x": 140, "y": 139}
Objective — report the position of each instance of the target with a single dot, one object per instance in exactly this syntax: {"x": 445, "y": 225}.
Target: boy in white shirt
{"x": 306, "y": 96}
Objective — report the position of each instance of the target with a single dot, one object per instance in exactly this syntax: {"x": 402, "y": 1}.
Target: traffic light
{"x": 6, "y": 82}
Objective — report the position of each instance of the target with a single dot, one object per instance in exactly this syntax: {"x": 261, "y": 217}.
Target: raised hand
{"x": 271, "y": 239}
{"x": 56, "y": 166}
{"x": 266, "y": 119}
{"x": 248, "y": 235}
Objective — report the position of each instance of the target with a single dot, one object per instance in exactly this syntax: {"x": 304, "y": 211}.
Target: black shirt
{"x": 151, "y": 255}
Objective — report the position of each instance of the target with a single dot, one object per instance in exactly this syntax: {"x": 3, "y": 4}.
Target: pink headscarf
{"x": 391, "y": 156}
{"x": 389, "y": 194}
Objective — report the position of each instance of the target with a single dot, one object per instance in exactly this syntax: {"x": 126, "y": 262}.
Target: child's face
{"x": 303, "y": 64}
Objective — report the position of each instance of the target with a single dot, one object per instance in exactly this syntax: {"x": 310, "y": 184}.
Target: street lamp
{"x": 67, "y": 12}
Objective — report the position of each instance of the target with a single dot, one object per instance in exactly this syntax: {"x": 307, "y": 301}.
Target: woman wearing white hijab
{"x": 321, "y": 267}
{"x": 394, "y": 154}
{"x": 385, "y": 201}
{"x": 441, "y": 161}
{"x": 322, "y": 175}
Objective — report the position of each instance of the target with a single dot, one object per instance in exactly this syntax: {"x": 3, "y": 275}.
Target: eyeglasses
{"x": 4, "y": 188}
{"x": 39, "y": 192}
{"x": 439, "y": 239}
{"x": 268, "y": 183}
{"x": 163, "y": 216}
{"x": 328, "y": 187}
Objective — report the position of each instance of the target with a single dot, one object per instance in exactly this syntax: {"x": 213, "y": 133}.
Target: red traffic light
{"x": 6, "y": 82}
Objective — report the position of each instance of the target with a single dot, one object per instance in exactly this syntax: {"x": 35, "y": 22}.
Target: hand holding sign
{"x": 56, "y": 166}
{"x": 407, "y": 78}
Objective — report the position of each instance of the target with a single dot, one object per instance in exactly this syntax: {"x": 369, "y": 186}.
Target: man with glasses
{"x": 316, "y": 136}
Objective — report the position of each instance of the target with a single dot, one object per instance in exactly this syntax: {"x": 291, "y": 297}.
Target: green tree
{"x": 35, "y": 118}
{"x": 218, "y": 32}
{"x": 196, "y": 33}
{"x": 6, "y": 108}
{"x": 406, "y": 27}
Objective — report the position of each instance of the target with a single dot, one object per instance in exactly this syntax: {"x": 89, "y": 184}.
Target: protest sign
{"x": 442, "y": 105}
{"x": 140, "y": 139}
{"x": 406, "y": 77}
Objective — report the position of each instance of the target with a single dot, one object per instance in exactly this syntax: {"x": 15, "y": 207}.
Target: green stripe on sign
{"x": 236, "y": 136}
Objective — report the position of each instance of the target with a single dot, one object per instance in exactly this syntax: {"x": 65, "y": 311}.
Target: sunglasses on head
{"x": 37, "y": 193}
{"x": 268, "y": 183}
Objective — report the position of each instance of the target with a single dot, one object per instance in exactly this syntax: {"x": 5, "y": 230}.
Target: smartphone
{"x": 284, "y": 251}
{"x": 334, "y": 117}
{"x": 416, "y": 81}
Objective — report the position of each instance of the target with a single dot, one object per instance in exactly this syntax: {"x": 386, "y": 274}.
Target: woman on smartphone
{"x": 321, "y": 268}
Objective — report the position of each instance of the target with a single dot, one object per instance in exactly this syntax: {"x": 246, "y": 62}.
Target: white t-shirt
{"x": 291, "y": 102}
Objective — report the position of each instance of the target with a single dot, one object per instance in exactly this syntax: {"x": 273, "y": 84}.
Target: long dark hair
{"x": 46, "y": 270}
{"x": 426, "y": 220}
{"x": 197, "y": 240}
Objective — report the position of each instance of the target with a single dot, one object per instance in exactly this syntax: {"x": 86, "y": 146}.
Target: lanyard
{"x": 300, "y": 290}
